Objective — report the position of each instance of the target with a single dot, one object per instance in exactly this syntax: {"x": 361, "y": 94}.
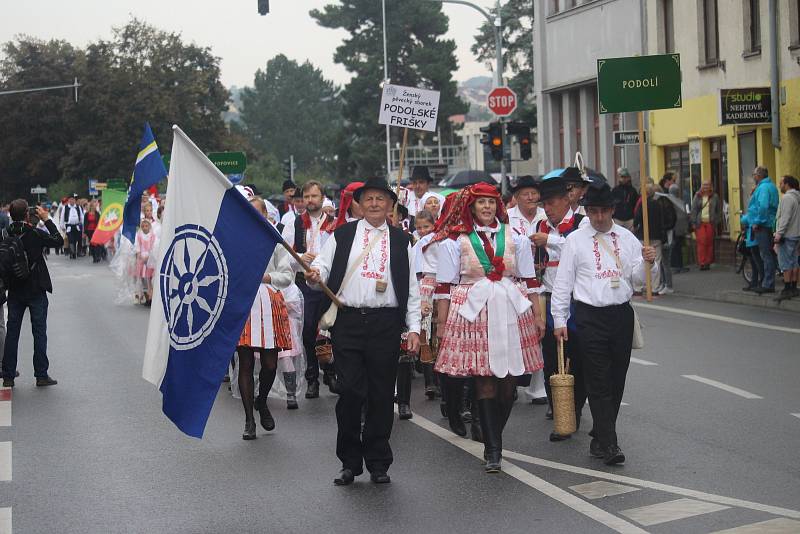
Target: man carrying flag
{"x": 149, "y": 170}
{"x": 214, "y": 250}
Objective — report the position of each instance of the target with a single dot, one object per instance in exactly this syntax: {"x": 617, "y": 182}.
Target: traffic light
{"x": 287, "y": 169}
{"x": 263, "y": 7}
{"x": 522, "y": 132}
{"x": 494, "y": 138}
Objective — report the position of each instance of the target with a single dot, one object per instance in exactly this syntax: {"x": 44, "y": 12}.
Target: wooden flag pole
{"x": 400, "y": 170}
{"x": 643, "y": 187}
{"x": 306, "y": 267}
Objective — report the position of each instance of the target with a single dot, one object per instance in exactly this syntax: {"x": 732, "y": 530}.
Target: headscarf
{"x": 456, "y": 217}
{"x": 431, "y": 194}
{"x": 345, "y": 200}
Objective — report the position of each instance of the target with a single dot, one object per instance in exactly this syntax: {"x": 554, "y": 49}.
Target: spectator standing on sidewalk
{"x": 705, "y": 217}
{"x": 787, "y": 236}
{"x": 668, "y": 219}
{"x": 655, "y": 216}
{"x": 680, "y": 231}
{"x": 760, "y": 220}
{"x": 29, "y": 292}
{"x": 625, "y": 199}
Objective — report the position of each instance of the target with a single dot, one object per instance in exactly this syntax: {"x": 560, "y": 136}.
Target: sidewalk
{"x": 722, "y": 284}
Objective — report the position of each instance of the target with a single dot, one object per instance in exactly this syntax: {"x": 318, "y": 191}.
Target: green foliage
{"x": 140, "y": 74}
{"x": 293, "y": 110}
{"x": 418, "y": 56}
{"x": 517, "y": 19}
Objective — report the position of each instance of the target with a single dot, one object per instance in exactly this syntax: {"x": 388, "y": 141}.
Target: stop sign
{"x": 502, "y": 101}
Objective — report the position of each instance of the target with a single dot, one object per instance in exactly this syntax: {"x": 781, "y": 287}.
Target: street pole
{"x": 74, "y": 85}
{"x": 291, "y": 168}
{"x": 385, "y": 81}
{"x": 496, "y": 23}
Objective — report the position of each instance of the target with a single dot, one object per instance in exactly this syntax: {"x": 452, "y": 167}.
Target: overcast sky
{"x": 233, "y": 29}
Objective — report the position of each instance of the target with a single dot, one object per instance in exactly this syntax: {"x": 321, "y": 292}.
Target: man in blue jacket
{"x": 760, "y": 222}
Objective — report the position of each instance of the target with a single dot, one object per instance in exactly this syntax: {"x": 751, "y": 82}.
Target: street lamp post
{"x": 385, "y": 81}
{"x": 497, "y": 25}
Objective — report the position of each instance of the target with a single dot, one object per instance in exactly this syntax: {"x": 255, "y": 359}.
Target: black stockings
{"x": 266, "y": 377}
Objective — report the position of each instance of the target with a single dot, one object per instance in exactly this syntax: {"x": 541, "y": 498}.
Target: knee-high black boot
{"x": 455, "y": 392}
{"x": 404, "y": 390}
{"x": 442, "y": 382}
{"x": 290, "y": 381}
{"x": 492, "y": 434}
{"x": 475, "y": 425}
{"x": 430, "y": 386}
{"x": 466, "y": 400}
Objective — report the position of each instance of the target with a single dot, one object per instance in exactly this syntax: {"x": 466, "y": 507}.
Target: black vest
{"x": 398, "y": 263}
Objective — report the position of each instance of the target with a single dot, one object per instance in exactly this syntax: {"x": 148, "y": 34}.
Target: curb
{"x": 740, "y": 297}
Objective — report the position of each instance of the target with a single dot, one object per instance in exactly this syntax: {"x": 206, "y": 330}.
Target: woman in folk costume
{"x": 266, "y": 332}
{"x": 490, "y": 326}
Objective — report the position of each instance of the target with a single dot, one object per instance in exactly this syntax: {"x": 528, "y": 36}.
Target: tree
{"x": 292, "y": 110}
{"x": 141, "y": 74}
{"x": 418, "y": 57}
{"x": 517, "y": 19}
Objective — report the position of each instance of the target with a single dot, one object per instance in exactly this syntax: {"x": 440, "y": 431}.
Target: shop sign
{"x": 639, "y": 83}
{"x": 752, "y": 105}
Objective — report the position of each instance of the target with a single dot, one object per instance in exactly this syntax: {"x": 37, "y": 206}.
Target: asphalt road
{"x": 711, "y": 430}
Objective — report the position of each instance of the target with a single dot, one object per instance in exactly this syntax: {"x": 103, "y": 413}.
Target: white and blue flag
{"x": 214, "y": 249}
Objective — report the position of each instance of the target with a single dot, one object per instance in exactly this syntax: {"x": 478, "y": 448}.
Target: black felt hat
{"x": 552, "y": 187}
{"x": 298, "y": 193}
{"x": 572, "y": 175}
{"x": 288, "y": 184}
{"x": 526, "y": 181}
{"x": 374, "y": 183}
{"x": 598, "y": 193}
{"x": 421, "y": 172}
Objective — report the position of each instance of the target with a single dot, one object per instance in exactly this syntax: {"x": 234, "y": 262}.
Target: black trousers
{"x": 311, "y": 304}
{"x": 572, "y": 350}
{"x": 74, "y": 237}
{"x": 606, "y": 336}
{"x": 366, "y": 348}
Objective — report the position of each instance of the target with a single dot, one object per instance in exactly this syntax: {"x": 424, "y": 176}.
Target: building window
{"x": 667, "y": 27}
{"x": 575, "y": 107}
{"x": 710, "y": 30}
{"x": 555, "y": 6}
{"x": 677, "y": 158}
{"x": 794, "y": 24}
{"x": 752, "y": 27}
{"x": 559, "y": 115}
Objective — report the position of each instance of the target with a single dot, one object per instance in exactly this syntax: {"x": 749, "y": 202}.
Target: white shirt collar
{"x": 489, "y": 229}
{"x": 368, "y": 226}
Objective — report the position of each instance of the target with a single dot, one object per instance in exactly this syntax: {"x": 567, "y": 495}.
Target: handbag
{"x": 329, "y": 317}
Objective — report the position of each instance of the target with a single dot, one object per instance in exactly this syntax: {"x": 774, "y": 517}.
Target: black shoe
{"x": 795, "y": 292}
{"x": 313, "y": 390}
{"x": 762, "y": 290}
{"x": 249, "y": 430}
{"x": 595, "y": 449}
{"x": 430, "y": 392}
{"x": 380, "y": 477}
{"x": 267, "y": 421}
{"x": 404, "y": 411}
{"x": 8, "y": 382}
{"x": 291, "y": 402}
{"x": 344, "y": 478}
{"x": 785, "y": 294}
{"x": 549, "y": 414}
{"x": 333, "y": 385}
{"x": 613, "y": 455}
{"x": 16, "y": 374}
{"x": 559, "y": 437}
{"x": 226, "y": 378}
{"x": 46, "y": 381}
{"x": 539, "y": 401}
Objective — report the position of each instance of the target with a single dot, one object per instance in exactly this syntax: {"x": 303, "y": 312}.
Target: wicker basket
{"x": 324, "y": 351}
{"x": 562, "y": 386}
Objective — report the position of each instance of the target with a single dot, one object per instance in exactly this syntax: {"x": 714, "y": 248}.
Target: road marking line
{"x": 554, "y": 492}
{"x": 722, "y": 318}
{"x": 5, "y": 461}
{"x": 5, "y": 413}
{"x": 724, "y": 387}
{"x": 773, "y": 526}
{"x": 656, "y": 514}
{"x": 796, "y": 415}
{"x": 5, "y": 520}
{"x": 601, "y": 488}
{"x": 624, "y": 404}
{"x": 642, "y": 362}
{"x": 684, "y": 492}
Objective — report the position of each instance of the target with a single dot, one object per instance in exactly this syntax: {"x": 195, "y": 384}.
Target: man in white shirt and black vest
{"x": 550, "y": 237}
{"x": 73, "y": 225}
{"x": 308, "y": 235}
{"x": 367, "y": 263}
{"x": 600, "y": 266}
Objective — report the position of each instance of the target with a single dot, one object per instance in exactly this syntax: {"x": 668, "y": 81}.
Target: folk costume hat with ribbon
{"x": 598, "y": 193}
{"x": 526, "y": 181}
{"x": 345, "y": 201}
{"x": 472, "y": 194}
{"x": 421, "y": 172}
{"x": 374, "y": 183}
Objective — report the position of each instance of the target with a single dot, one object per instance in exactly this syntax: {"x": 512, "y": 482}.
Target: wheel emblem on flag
{"x": 193, "y": 281}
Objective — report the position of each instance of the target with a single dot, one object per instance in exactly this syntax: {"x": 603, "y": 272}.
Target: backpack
{"x": 14, "y": 258}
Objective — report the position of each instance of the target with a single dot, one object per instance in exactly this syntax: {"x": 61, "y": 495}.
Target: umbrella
{"x": 465, "y": 178}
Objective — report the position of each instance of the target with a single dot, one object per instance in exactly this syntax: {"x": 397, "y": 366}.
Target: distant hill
{"x": 475, "y": 91}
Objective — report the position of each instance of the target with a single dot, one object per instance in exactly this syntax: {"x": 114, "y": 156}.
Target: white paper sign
{"x": 409, "y": 107}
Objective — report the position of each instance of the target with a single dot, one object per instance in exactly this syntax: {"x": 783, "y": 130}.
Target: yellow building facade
{"x": 730, "y": 50}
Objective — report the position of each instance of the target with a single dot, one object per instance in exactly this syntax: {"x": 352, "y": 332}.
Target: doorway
{"x": 719, "y": 178}
{"x": 747, "y": 162}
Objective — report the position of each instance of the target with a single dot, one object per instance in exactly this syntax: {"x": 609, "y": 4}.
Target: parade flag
{"x": 213, "y": 253}
{"x": 148, "y": 171}
{"x": 111, "y": 218}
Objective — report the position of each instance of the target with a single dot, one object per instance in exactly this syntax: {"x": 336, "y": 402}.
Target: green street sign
{"x": 639, "y": 83}
{"x": 229, "y": 162}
